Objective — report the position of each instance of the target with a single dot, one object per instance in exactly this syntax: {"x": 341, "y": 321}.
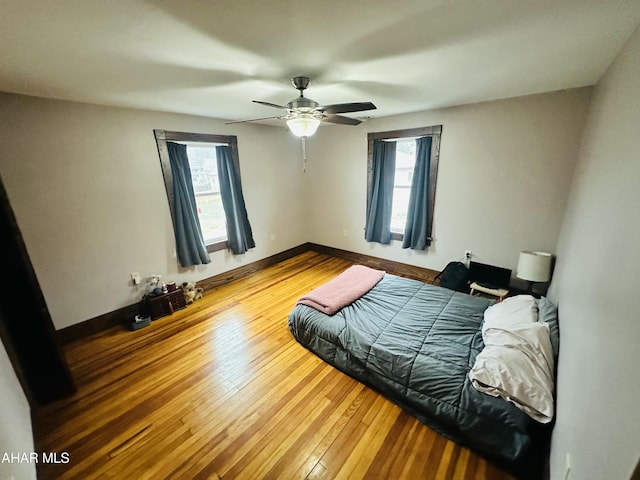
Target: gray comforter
{"x": 416, "y": 343}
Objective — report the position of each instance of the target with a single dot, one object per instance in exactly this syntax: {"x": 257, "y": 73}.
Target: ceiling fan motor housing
{"x": 302, "y": 104}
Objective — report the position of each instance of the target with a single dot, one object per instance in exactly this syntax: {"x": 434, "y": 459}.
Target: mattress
{"x": 415, "y": 343}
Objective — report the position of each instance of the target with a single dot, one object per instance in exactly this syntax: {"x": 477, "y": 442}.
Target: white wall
{"x": 86, "y": 187}
{"x": 15, "y": 423}
{"x": 503, "y": 180}
{"x": 596, "y": 287}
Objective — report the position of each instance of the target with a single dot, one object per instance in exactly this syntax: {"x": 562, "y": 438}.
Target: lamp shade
{"x": 304, "y": 125}
{"x": 534, "y": 266}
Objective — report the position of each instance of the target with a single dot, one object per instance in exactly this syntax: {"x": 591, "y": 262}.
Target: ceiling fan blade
{"x": 251, "y": 120}
{"x": 342, "y": 120}
{"x": 268, "y": 104}
{"x": 346, "y": 107}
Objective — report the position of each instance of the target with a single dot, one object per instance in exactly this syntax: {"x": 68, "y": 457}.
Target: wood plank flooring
{"x": 222, "y": 390}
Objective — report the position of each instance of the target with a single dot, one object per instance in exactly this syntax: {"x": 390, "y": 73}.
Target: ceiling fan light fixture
{"x": 303, "y": 125}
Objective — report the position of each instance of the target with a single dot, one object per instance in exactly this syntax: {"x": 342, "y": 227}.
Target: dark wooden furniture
{"x": 166, "y": 304}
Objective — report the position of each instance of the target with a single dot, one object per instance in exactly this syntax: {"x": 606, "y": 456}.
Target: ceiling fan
{"x": 304, "y": 115}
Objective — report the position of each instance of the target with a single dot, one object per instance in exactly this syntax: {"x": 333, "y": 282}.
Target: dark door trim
{"x": 26, "y": 328}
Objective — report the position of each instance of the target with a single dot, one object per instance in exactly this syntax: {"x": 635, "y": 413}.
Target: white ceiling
{"x": 212, "y": 58}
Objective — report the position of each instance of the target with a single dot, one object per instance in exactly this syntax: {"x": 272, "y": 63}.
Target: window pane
{"x": 405, "y": 163}
{"x": 211, "y": 215}
{"x": 399, "y": 209}
{"x": 204, "y": 175}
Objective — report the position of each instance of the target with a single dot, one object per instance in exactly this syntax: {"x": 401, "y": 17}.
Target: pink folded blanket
{"x": 343, "y": 290}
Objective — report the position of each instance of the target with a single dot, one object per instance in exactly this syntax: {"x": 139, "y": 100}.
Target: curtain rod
{"x": 402, "y": 138}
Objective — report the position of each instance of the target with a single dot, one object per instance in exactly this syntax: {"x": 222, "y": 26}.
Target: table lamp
{"x": 534, "y": 267}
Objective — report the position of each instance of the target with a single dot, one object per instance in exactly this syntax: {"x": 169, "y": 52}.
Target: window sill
{"x": 400, "y": 237}
{"x": 215, "y": 247}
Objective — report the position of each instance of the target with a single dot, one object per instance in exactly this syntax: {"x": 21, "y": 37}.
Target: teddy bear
{"x": 189, "y": 291}
{"x": 198, "y": 293}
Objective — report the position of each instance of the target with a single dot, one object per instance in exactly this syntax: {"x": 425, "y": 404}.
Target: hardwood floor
{"x": 222, "y": 390}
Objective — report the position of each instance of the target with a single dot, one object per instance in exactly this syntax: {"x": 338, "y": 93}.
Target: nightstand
{"x": 500, "y": 293}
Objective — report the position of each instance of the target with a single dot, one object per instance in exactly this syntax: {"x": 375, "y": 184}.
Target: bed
{"x": 416, "y": 344}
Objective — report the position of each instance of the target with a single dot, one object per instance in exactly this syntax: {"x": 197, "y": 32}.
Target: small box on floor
{"x": 140, "y": 322}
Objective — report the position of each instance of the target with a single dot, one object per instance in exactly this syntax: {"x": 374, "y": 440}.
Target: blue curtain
{"x": 416, "y": 231}
{"x": 239, "y": 235}
{"x": 190, "y": 245}
{"x": 378, "y": 223}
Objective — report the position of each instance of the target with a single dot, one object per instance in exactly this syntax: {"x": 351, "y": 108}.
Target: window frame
{"x": 164, "y": 136}
{"x": 435, "y": 133}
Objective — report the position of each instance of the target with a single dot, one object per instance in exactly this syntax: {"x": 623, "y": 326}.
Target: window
{"x": 405, "y": 163}
{"x": 201, "y": 152}
{"x": 401, "y": 187}
{"x": 204, "y": 175}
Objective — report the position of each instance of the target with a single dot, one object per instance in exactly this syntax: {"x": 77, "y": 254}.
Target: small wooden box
{"x": 166, "y": 304}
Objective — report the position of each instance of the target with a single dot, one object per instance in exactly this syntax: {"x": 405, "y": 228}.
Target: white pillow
{"x": 517, "y": 365}
{"x": 518, "y": 310}
{"x": 517, "y": 361}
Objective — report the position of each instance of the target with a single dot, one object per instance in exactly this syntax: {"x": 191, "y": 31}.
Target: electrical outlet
{"x": 467, "y": 254}
{"x": 135, "y": 278}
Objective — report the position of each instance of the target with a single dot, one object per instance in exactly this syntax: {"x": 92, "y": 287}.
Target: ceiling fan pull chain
{"x": 304, "y": 154}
